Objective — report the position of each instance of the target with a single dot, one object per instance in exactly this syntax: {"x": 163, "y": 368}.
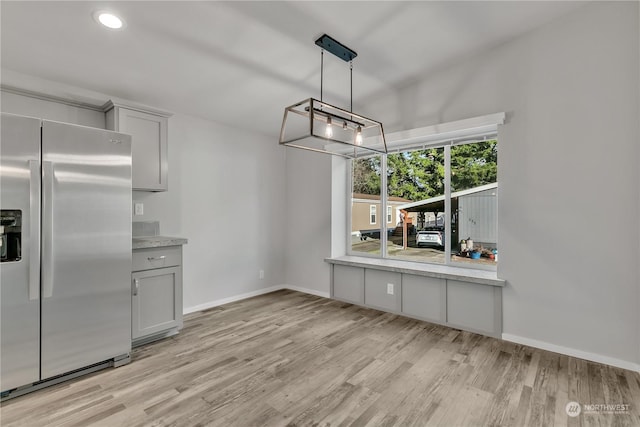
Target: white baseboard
{"x": 223, "y": 301}
{"x": 307, "y": 291}
{"x": 246, "y": 295}
{"x": 573, "y": 352}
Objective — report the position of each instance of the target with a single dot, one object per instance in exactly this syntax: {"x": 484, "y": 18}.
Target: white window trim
{"x": 451, "y": 133}
{"x": 389, "y": 214}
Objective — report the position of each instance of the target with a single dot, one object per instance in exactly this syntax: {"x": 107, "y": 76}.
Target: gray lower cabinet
{"x": 348, "y": 284}
{"x": 156, "y": 304}
{"x": 474, "y": 307}
{"x": 382, "y": 289}
{"x": 424, "y": 297}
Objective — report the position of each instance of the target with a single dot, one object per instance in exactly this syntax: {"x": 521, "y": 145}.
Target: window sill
{"x": 430, "y": 270}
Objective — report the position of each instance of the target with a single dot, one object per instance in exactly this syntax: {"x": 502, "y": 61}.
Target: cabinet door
{"x": 475, "y": 307}
{"x": 157, "y": 301}
{"x": 148, "y": 148}
{"x": 382, "y": 289}
{"x": 348, "y": 284}
{"x": 424, "y": 297}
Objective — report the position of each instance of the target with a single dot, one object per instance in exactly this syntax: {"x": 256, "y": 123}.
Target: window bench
{"x": 458, "y": 297}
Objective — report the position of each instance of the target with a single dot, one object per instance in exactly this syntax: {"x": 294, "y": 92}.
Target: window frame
{"x": 448, "y": 203}
{"x": 373, "y": 213}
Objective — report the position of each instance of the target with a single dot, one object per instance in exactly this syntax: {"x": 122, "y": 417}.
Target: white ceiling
{"x": 241, "y": 63}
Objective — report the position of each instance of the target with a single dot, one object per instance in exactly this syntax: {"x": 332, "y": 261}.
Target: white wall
{"x": 569, "y": 182}
{"x": 226, "y": 195}
{"x": 308, "y": 213}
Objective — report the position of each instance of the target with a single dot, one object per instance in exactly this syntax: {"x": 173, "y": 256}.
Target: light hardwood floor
{"x": 289, "y": 358}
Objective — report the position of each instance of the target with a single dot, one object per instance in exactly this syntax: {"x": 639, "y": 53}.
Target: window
{"x": 416, "y": 178}
{"x": 365, "y": 178}
{"x": 372, "y": 214}
{"x": 474, "y": 202}
{"x": 445, "y": 197}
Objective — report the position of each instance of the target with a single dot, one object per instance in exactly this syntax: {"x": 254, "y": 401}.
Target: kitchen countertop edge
{"x": 482, "y": 277}
{"x": 156, "y": 242}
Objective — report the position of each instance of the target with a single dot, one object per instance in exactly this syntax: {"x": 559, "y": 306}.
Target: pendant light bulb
{"x": 359, "y": 136}
{"x": 329, "y": 131}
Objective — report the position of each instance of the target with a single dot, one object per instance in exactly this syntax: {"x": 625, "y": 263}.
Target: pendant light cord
{"x": 351, "y": 84}
{"x": 355, "y": 150}
{"x": 321, "y": 71}
{"x": 350, "y": 80}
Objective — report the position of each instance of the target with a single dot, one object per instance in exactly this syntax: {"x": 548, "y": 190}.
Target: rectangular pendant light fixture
{"x": 314, "y": 125}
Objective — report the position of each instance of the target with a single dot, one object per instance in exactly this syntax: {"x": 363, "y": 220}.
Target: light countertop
{"x": 143, "y": 242}
{"x": 422, "y": 269}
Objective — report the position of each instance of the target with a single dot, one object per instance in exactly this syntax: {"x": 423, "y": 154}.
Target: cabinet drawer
{"x": 147, "y": 259}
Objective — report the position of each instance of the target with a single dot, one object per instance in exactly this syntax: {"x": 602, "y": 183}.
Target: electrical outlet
{"x": 138, "y": 209}
{"x": 261, "y": 274}
{"x": 390, "y": 288}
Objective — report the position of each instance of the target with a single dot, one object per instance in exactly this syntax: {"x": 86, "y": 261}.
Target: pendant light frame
{"x": 307, "y": 124}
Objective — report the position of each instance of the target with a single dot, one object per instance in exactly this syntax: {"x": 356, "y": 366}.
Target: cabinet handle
{"x": 156, "y": 258}
{"x": 136, "y": 286}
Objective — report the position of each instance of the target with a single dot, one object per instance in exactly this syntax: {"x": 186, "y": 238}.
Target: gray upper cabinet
{"x": 149, "y": 144}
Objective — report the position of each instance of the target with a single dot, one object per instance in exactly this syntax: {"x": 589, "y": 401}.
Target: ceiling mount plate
{"x": 338, "y": 49}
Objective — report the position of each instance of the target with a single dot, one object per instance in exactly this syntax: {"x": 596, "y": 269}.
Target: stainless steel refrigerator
{"x": 65, "y": 268}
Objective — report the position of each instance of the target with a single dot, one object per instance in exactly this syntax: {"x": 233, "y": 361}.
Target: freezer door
{"x": 20, "y": 270}
{"x": 86, "y": 247}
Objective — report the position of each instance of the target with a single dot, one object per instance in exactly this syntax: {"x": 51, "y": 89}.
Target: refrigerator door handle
{"x": 47, "y": 250}
{"x": 34, "y": 223}
{"x": 136, "y": 286}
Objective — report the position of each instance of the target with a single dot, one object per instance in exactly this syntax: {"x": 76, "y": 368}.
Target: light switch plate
{"x": 138, "y": 209}
{"x": 390, "y": 288}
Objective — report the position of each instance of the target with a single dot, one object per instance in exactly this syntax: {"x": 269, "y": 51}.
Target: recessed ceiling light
{"x": 108, "y": 19}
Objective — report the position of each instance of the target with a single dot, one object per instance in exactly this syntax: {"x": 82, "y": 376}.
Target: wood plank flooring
{"x": 292, "y": 359}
